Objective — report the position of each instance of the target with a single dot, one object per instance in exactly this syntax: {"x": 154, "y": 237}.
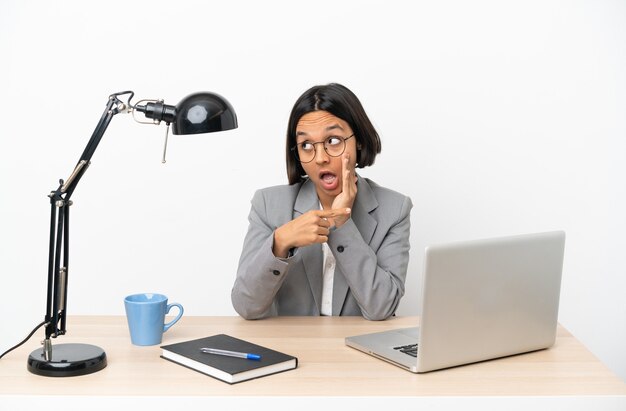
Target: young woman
{"x": 330, "y": 242}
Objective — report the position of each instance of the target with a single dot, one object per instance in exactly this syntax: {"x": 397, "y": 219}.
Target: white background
{"x": 496, "y": 118}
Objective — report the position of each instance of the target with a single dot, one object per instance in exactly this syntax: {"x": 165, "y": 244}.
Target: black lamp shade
{"x": 204, "y": 113}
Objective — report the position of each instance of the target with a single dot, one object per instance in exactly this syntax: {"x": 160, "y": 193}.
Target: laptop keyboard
{"x": 410, "y": 349}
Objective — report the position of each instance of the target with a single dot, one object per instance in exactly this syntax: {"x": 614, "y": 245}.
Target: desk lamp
{"x": 196, "y": 113}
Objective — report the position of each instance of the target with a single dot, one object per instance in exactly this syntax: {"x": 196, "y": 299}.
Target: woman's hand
{"x": 309, "y": 228}
{"x": 345, "y": 199}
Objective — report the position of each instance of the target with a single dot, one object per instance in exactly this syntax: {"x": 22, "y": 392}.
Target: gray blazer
{"x": 371, "y": 251}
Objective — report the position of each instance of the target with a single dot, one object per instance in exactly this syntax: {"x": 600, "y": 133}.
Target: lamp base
{"x": 68, "y": 360}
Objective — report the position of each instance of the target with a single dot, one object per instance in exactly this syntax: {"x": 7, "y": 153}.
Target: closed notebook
{"x": 229, "y": 369}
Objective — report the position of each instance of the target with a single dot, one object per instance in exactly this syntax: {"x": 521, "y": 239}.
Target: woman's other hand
{"x": 345, "y": 199}
{"x": 309, "y": 228}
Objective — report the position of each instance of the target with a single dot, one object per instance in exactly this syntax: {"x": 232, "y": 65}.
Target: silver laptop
{"x": 481, "y": 300}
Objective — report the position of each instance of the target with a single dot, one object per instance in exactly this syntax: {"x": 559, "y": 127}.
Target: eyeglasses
{"x": 334, "y": 146}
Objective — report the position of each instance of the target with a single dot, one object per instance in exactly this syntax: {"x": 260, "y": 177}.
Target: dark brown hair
{"x": 339, "y": 101}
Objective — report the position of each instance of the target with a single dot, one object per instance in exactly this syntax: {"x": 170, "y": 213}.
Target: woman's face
{"x": 324, "y": 170}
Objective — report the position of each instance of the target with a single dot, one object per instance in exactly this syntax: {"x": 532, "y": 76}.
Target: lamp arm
{"x": 58, "y": 257}
{"x": 114, "y": 106}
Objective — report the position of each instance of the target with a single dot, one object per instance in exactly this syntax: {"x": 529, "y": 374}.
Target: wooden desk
{"x": 327, "y": 367}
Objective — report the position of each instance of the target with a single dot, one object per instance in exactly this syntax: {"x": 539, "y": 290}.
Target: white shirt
{"x": 328, "y": 276}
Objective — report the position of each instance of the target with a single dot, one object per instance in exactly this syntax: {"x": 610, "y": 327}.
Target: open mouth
{"x": 328, "y": 180}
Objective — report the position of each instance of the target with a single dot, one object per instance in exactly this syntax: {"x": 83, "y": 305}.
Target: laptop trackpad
{"x": 412, "y": 332}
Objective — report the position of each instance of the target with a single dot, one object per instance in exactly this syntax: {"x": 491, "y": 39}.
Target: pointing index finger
{"x": 335, "y": 212}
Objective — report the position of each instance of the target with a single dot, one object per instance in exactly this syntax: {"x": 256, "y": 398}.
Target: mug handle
{"x": 180, "y": 314}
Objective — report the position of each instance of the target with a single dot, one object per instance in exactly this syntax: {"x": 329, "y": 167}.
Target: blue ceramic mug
{"x": 146, "y": 317}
